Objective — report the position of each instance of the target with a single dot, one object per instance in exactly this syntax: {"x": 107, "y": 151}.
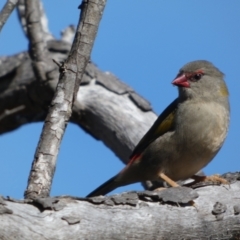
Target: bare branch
{"x": 21, "y": 9}
{"x": 71, "y": 72}
{"x": 8, "y": 112}
{"x": 125, "y": 216}
{"x": 6, "y": 11}
{"x": 37, "y": 43}
{"x": 98, "y": 108}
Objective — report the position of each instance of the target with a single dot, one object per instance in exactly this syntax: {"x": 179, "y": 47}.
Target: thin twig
{"x": 21, "y": 10}
{"x": 6, "y": 11}
{"x": 38, "y": 45}
{"x": 8, "y": 112}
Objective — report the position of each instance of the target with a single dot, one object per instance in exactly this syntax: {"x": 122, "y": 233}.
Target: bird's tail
{"x": 105, "y": 188}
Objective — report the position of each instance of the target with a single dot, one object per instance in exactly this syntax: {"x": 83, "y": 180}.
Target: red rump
{"x": 134, "y": 158}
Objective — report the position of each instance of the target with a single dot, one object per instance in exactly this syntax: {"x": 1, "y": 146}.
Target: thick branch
{"x": 101, "y": 95}
{"x": 216, "y": 216}
{"x": 107, "y": 95}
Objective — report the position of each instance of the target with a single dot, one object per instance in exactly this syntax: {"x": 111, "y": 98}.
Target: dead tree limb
{"x": 125, "y": 216}
{"x": 60, "y": 110}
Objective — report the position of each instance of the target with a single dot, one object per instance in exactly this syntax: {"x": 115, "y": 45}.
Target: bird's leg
{"x": 168, "y": 180}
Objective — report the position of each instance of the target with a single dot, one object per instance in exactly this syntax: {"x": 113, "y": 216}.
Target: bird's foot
{"x": 213, "y": 178}
{"x": 216, "y": 178}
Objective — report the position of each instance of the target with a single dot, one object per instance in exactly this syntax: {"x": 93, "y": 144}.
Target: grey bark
{"x": 42, "y": 19}
{"x": 6, "y": 11}
{"x": 60, "y": 110}
{"x": 215, "y": 216}
{"x": 105, "y": 107}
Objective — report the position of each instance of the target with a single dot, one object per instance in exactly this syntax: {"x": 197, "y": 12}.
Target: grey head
{"x": 201, "y": 79}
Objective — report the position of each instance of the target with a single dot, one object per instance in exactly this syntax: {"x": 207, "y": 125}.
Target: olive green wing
{"x": 163, "y": 124}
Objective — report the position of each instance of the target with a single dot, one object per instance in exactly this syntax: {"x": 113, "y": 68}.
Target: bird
{"x": 187, "y": 134}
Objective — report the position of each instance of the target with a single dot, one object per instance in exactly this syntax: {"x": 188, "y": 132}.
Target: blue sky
{"x": 144, "y": 43}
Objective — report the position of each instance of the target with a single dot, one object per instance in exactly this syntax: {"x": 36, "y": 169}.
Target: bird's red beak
{"x": 181, "y": 81}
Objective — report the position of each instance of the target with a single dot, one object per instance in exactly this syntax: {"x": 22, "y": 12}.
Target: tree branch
{"x": 71, "y": 72}
{"x": 43, "y": 20}
{"x": 98, "y": 109}
{"x": 125, "y": 216}
{"x": 6, "y": 11}
{"x": 37, "y": 43}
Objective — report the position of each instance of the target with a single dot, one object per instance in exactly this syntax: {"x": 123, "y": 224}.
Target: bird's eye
{"x": 196, "y": 77}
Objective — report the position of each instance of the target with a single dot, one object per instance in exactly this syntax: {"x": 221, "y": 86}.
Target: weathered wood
{"x": 60, "y": 110}
{"x": 6, "y": 11}
{"x": 114, "y": 118}
{"x": 105, "y": 106}
{"x": 146, "y": 219}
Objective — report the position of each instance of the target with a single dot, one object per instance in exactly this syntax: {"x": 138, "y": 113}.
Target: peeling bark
{"x": 105, "y": 107}
{"x": 78, "y": 218}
